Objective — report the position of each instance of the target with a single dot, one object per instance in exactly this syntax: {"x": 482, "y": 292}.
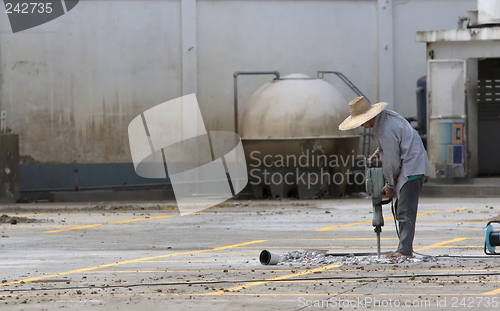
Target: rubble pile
{"x": 314, "y": 258}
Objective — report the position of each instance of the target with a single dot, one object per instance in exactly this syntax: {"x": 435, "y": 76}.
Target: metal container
{"x": 488, "y": 12}
{"x": 293, "y": 147}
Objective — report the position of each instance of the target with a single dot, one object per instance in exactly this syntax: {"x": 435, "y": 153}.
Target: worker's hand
{"x": 374, "y": 156}
{"x": 374, "y": 160}
{"x": 389, "y": 192}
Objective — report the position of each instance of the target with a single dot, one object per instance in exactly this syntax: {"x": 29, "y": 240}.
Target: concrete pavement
{"x": 145, "y": 256}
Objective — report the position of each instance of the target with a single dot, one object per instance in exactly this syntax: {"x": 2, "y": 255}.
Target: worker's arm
{"x": 391, "y": 160}
{"x": 376, "y": 154}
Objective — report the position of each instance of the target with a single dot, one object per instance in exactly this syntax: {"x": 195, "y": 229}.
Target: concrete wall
{"x": 409, "y": 55}
{"x": 471, "y": 51}
{"x": 71, "y": 86}
{"x": 288, "y": 36}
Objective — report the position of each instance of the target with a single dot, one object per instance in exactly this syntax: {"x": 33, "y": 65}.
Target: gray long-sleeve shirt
{"x": 400, "y": 148}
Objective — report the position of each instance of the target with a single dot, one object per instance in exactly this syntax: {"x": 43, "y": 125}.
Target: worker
{"x": 404, "y": 162}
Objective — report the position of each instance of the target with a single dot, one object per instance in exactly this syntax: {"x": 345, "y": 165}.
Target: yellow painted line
{"x": 110, "y": 223}
{"x": 434, "y": 270}
{"x": 231, "y": 253}
{"x": 447, "y": 225}
{"x": 366, "y": 281}
{"x": 476, "y": 216}
{"x": 43, "y": 277}
{"x": 284, "y": 277}
{"x": 321, "y": 294}
{"x": 336, "y": 239}
{"x": 215, "y": 259}
{"x": 359, "y": 239}
{"x": 428, "y": 213}
{"x": 120, "y": 222}
{"x": 448, "y": 210}
{"x": 348, "y": 225}
{"x": 440, "y": 244}
{"x": 458, "y": 223}
{"x": 69, "y": 216}
{"x": 142, "y": 271}
{"x": 198, "y": 271}
{"x": 361, "y": 246}
{"x": 386, "y": 229}
{"x": 451, "y": 228}
{"x": 386, "y": 218}
{"x": 237, "y": 245}
{"x": 38, "y": 225}
{"x": 189, "y": 261}
{"x": 389, "y": 229}
{"x": 321, "y": 247}
{"x": 493, "y": 292}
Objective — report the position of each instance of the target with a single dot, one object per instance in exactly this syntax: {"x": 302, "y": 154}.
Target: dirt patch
{"x": 494, "y": 218}
{"x": 6, "y": 219}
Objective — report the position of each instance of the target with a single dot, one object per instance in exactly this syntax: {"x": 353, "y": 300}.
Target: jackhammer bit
{"x": 377, "y": 220}
{"x": 374, "y": 185}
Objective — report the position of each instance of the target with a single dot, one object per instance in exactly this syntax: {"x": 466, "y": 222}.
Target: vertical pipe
{"x": 235, "y": 82}
{"x": 366, "y": 133}
{"x": 461, "y": 20}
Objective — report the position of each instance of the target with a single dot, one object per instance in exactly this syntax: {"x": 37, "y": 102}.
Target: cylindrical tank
{"x": 293, "y": 147}
{"x": 294, "y": 106}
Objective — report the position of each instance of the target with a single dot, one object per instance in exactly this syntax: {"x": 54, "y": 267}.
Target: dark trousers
{"x": 406, "y": 214}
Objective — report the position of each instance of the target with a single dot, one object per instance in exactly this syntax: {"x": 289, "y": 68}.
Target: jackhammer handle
{"x": 384, "y": 202}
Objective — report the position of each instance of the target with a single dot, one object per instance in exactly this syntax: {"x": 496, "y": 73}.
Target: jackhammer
{"x": 374, "y": 184}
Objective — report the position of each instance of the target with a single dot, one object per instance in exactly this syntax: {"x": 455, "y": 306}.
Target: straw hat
{"x": 361, "y": 111}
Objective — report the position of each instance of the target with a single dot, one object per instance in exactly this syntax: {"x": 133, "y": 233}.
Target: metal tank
{"x": 293, "y": 147}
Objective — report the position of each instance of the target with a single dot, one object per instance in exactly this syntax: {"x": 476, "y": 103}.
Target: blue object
{"x": 492, "y": 239}
{"x": 457, "y": 154}
{"x": 413, "y": 177}
{"x": 490, "y": 248}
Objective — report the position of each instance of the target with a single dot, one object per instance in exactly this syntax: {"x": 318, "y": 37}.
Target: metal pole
{"x": 366, "y": 134}
{"x": 235, "y": 77}
{"x": 345, "y": 80}
{"x": 378, "y": 244}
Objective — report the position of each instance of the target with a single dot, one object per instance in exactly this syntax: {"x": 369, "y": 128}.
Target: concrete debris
{"x": 313, "y": 258}
{"x": 6, "y": 219}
